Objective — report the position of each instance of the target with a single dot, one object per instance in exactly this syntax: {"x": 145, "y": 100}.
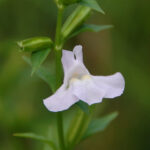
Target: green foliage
{"x": 53, "y": 133}
{"x": 38, "y": 57}
{"x": 32, "y": 136}
{"x": 45, "y": 74}
{"x": 100, "y": 124}
{"x": 78, "y": 17}
{"x": 74, "y": 20}
{"x": 90, "y": 27}
{"x": 130, "y": 55}
{"x": 92, "y": 4}
{"x": 69, "y": 2}
{"x": 77, "y": 128}
{"x": 36, "y": 137}
{"x": 35, "y": 44}
{"x": 83, "y": 106}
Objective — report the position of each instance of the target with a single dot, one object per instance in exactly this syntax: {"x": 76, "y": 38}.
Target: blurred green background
{"x": 125, "y": 49}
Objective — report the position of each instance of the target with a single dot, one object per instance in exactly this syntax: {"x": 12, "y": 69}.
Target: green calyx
{"x": 35, "y": 44}
{"x": 74, "y": 20}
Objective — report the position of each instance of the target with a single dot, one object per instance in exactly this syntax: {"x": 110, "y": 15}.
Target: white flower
{"x": 79, "y": 84}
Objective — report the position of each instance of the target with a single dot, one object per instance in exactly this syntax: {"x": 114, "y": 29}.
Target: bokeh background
{"x": 125, "y": 48}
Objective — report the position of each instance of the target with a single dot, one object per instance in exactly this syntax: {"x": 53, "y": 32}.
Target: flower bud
{"x": 35, "y": 44}
{"x": 74, "y": 20}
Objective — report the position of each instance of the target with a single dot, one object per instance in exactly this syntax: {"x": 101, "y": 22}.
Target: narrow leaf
{"x": 38, "y": 58}
{"x": 35, "y": 137}
{"x": 83, "y": 106}
{"x": 92, "y": 4}
{"x": 32, "y": 136}
{"x": 44, "y": 74}
{"x": 100, "y": 124}
{"x": 47, "y": 76}
{"x": 90, "y": 27}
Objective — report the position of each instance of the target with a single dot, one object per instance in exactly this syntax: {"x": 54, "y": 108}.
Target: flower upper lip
{"x": 79, "y": 84}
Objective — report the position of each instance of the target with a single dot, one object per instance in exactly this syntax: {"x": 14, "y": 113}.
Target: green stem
{"x": 60, "y": 130}
{"x": 58, "y": 69}
{"x": 58, "y": 48}
{"x": 58, "y": 73}
{"x": 58, "y": 28}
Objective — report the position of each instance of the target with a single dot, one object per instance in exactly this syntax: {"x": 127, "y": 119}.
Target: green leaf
{"x": 47, "y": 76}
{"x": 35, "y": 44}
{"x": 90, "y": 27}
{"x": 83, "y": 106}
{"x": 74, "y": 20}
{"x": 32, "y": 136}
{"x": 100, "y": 124}
{"x": 38, "y": 58}
{"x": 44, "y": 74}
{"x": 35, "y": 137}
{"x": 92, "y": 4}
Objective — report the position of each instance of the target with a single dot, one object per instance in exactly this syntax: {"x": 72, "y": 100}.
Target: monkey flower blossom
{"x": 79, "y": 84}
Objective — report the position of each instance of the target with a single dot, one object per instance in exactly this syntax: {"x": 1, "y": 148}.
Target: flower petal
{"x": 113, "y": 85}
{"x": 78, "y": 53}
{"x": 87, "y": 91}
{"x": 61, "y": 100}
{"x": 67, "y": 60}
{"x": 78, "y": 70}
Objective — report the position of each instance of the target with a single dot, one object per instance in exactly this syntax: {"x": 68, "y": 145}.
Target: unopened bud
{"x": 35, "y": 44}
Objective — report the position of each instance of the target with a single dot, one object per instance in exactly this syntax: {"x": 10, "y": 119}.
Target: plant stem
{"x": 58, "y": 69}
{"x": 58, "y": 73}
{"x": 58, "y": 28}
{"x": 60, "y": 130}
{"x": 58, "y": 48}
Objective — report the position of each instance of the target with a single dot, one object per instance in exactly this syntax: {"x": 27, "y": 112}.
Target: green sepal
{"x": 99, "y": 124}
{"x": 38, "y": 57}
{"x": 83, "y": 106}
{"x": 91, "y": 28}
{"x": 92, "y": 4}
{"x": 45, "y": 74}
{"x": 36, "y": 137}
{"x": 74, "y": 20}
{"x": 35, "y": 44}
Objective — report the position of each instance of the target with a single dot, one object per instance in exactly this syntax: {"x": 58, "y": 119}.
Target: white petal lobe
{"x": 61, "y": 100}
{"x": 67, "y": 60}
{"x": 78, "y": 53}
{"x": 113, "y": 85}
{"x": 87, "y": 91}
